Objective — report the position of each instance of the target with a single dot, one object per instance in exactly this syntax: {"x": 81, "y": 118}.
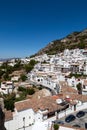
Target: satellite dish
{"x": 59, "y": 101}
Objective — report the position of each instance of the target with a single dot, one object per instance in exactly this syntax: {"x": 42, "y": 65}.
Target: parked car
{"x": 58, "y": 122}
{"x": 70, "y": 118}
{"x": 80, "y": 114}
{"x": 76, "y": 126}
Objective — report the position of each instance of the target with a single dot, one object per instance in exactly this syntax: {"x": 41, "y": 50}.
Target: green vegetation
{"x": 10, "y": 99}
{"x": 18, "y": 65}
{"x": 6, "y": 69}
{"x": 30, "y": 66}
{"x": 81, "y": 45}
{"x": 27, "y": 91}
{"x": 72, "y": 41}
{"x": 40, "y": 87}
{"x": 79, "y": 88}
{"x": 56, "y": 126}
{"x": 23, "y": 77}
{"x": 30, "y": 91}
{"x": 60, "y": 47}
{"x": 22, "y": 89}
{"x": 6, "y": 76}
{"x": 77, "y": 75}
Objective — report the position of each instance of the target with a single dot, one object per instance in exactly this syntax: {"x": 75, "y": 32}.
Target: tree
{"x": 6, "y": 76}
{"x": 4, "y": 65}
{"x": 30, "y": 66}
{"x": 9, "y": 69}
{"x": 79, "y": 88}
{"x": 9, "y": 101}
{"x": 18, "y": 65}
{"x": 23, "y": 77}
{"x": 1, "y": 73}
{"x": 81, "y": 45}
{"x": 56, "y": 126}
{"x": 22, "y": 89}
{"x": 32, "y": 62}
{"x": 30, "y": 91}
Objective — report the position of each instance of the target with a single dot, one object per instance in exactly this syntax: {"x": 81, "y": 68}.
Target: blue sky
{"x": 29, "y": 25}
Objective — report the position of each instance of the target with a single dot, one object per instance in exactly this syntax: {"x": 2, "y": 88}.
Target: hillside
{"x": 71, "y": 41}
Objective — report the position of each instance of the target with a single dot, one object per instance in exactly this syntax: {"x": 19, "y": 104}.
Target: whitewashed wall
{"x": 31, "y": 117}
{"x": 18, "y": 123}
{"x": 10, "y": 125}
{"x": 70, "y": 110}
{"x": 38, "y": 117}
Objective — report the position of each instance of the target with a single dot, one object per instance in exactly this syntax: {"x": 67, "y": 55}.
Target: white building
{"x": 42, "y": 126}
{"x": 15, "y": 78}
{"x": 85, "y": 68}
{"x": 6, "y": 87}
{"x": 28, "y": 112}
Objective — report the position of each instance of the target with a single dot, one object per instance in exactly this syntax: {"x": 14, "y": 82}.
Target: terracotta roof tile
{"x": 71, "y": 92}
{"x": 36, "y": 104}
{"x": 65, "y": 88}
{"x": 55, "y": 97}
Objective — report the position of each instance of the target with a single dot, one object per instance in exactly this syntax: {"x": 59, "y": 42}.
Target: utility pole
{"x": 24, "y": 122}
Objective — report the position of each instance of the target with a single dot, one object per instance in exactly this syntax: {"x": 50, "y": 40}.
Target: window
{"x": 84, "y": 87}
{"x": 38, "y": 80}
{"x": 23, "y": 118}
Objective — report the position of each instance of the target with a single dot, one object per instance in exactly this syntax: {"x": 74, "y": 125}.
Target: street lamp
{"x": 24, "y": 122}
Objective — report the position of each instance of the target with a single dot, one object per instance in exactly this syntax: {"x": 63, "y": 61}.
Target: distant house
{"x": 74, "y": 68}
{"x": 65, "y": 68}
{"x": 85, "y": 53}
{"x": 15, "y": 78}
{"x": 6, "y": 87}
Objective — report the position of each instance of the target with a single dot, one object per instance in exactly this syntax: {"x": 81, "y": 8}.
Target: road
{"x": 80, "y": 121}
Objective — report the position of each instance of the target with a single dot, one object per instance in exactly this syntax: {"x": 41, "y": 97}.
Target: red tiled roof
{"x": 72, "y": 93}
{"x": 65, "y": 88}
{"x": 55, "y": 97}
{"x": 36, "y": 104}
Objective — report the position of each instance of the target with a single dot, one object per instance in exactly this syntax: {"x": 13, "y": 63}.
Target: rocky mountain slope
{"x": 72, "y": 41}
